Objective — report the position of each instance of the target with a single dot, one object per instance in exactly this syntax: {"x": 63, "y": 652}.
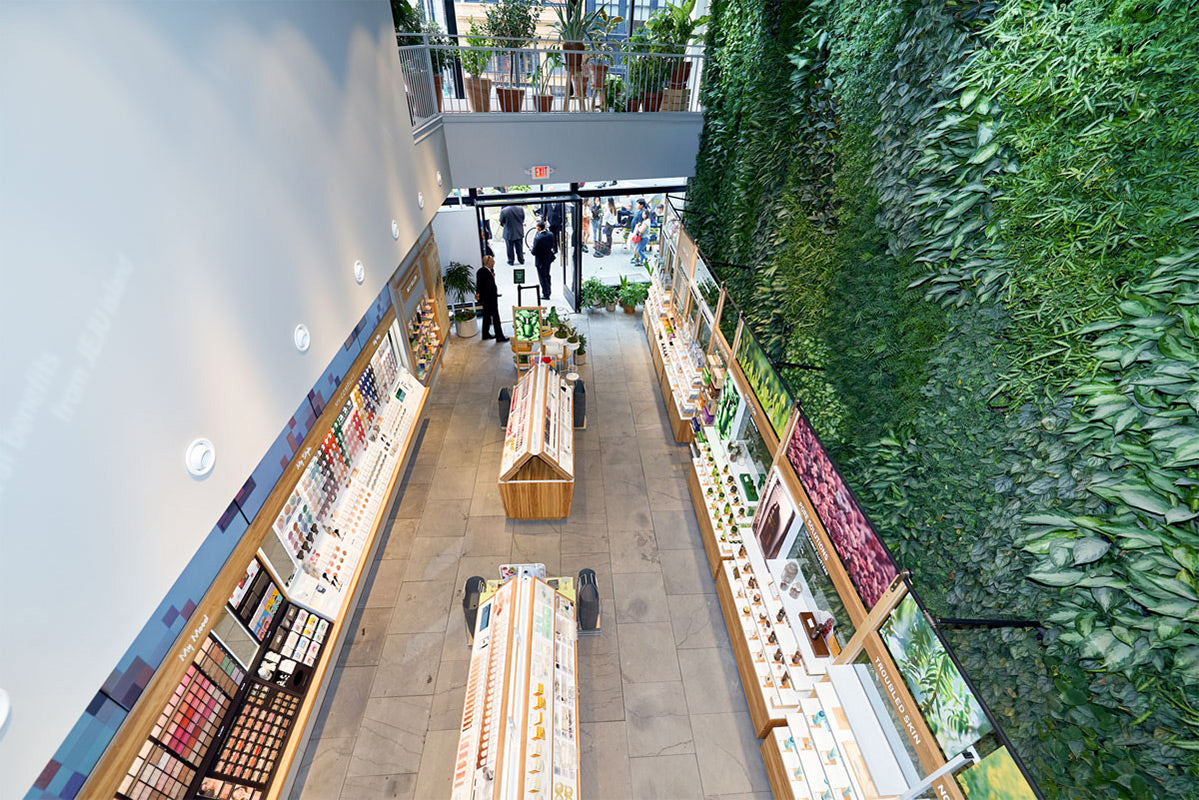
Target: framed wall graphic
{"x": 727, "y": 410}
{"x": 766, "y": 384}
{"x": 953, "y": 714}
{"x": 996, "y": 777}
{"x": 774, "y": 517}
{"x": 861, "y": 551}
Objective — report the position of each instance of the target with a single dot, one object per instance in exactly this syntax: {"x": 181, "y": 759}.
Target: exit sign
{"x": 540, "y": 173}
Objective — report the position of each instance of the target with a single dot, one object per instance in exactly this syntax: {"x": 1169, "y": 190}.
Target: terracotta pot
{"x": 479, "y": 92}
{"x": 630, "y": 309}
{"x": 632, "y": 104}
{"x": 510, "y": 99}
{"x": 544, "y": 102}
{"x": 651, "y": 101}
{"x": 437, "y": 90}
{"x": 681, "y": 74}
{"x": 599, "y": 73}
{"x": 574, "y": 55}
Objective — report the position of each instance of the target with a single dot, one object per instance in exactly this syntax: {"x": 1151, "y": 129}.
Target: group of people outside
{"x": 600, "y": 219}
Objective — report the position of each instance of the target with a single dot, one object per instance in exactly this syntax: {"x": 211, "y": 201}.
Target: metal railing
{"x": 543, "y": 77}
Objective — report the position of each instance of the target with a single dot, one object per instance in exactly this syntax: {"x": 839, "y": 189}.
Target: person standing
{"x": 597, "y": 219}
{"x": 586, "y": 226}
{"x": 638, "y": 230}
{"x": 489, "y": 297}
{"x": 554, "y": 217}
{"x": 544, "y": 252}
{"x": 611, "y": 221}
{"x": 512, "y": 220}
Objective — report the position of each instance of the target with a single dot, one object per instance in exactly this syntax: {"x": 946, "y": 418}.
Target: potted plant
{"x": 544, "y": 97}
{"x": 467, "y": 322}
{"x": 574, "y": 30}
{"x": 439, "y": 55}
{"x": 474, "y": 60}
{"x": 581, "y": 353}
{"x": 459, "y": 280}
{"x": 674, "y": 27}
{"x": 610, "y": 298}
{"x": 512, "y": 24}
{"x": 631, "y": 294}
{"x": 646, "y": 69}
{"x": 614, "y": 95}
{"x": 592, "y": 293}
{"x": 572, "y": 342}
{"x": 601, "y": 49}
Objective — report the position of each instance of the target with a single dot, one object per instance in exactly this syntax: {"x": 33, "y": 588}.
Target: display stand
{"x": 519, "y": 733}
{"x": 813, "y": 754}
{"x": 536, "y": 479}
{"x": 674, "y": 355}
{"x": 723, "y": 493}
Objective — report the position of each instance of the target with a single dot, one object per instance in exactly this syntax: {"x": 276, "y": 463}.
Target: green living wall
{"x": 973, "y": 230}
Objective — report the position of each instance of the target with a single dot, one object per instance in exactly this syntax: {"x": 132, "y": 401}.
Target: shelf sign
{"x": 539, "y": 173}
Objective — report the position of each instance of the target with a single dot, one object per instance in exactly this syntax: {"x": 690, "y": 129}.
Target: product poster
{"x": 767, "y": 386}
{"x": 945, "y": 701}
{"x": 727, "y": 410}
{"x": 527, "y": 324}
{"x": 774, "y": 517}
{"x": 864, "y": 556}
{"x": 996, "y": 777}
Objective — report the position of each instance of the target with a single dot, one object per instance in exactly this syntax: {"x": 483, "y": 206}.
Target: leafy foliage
{"x": 971, "y": 230}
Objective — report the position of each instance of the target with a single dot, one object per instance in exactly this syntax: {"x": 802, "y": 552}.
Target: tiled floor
{"x": 661, "y": 707}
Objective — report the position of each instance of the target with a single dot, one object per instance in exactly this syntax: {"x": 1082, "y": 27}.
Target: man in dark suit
{"x": 489, "y": 297}
{"x": 544, "y": 252}
{"x": 554, "y": 218}
{"x": 512, "y": 218}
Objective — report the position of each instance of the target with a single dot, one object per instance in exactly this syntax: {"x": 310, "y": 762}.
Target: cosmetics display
{"x": 519, "y": 735}
{"x": 424, "y": 338}
{"x": 673, "y": 339}
{"x": 814, "y": 753}
{"x": 326, "y": 521}
{"x": 250, "y": 753}
{"x": 726, "y": 488}
{"x": 189, "y": 725}
{"x": 536, "y": 478}
{"x": 256, "y": 600}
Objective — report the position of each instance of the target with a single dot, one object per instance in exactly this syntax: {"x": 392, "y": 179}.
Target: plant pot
{"x": 468, "y": 327}
{"x": 580, "y": 358}
{"x": 437, "y": 90}
{"x": 632, "y": 104}
{"x": 574, "y": 55}
{"x": 681, "y": 74}
{"x": 611, "y": 306}
{"x": 599, "y": 73}
{"x": 479, "y": 92}
{"x": 629, "y": 309}
{"x": 510, "y": 99}
{"x": 544, "y": 102}
{"x": 651, "y": 101}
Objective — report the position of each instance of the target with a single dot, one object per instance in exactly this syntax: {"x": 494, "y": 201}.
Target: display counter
{"x": 227, "y": 714}
{"x": 813, "y": 754}
{"x": 519, "y": 735}
{"x": 724, "y": 493}
{"x": 678, "y": 361}
{"x": 536, "y": 478}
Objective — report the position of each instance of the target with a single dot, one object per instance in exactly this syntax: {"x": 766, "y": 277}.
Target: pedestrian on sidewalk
{"x": 512, "y": 219}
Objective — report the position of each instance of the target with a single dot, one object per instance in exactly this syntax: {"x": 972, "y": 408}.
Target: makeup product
{"x": 255, "y": 740}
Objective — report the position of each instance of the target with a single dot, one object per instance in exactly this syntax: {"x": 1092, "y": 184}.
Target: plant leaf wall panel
{"x": 977, "y": 257}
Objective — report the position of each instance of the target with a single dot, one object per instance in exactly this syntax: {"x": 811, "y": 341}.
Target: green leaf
{"x": 1089, "y": 548}
{"x": 1057, "y": 577}
{"x": 1144, "y": 500}
{"x": 969, "y": 96}
{"x": 984, "y": 153}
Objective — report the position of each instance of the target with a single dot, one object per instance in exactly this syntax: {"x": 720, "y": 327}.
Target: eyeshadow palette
{"x": 258, "y": 600}
{"x": 256, "y": 738}
{"x": 156, "y": 774}
{"x": 188, "y": 725}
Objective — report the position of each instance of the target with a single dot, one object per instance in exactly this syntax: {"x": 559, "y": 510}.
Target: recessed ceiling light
{"x": 200, "y": 458}
{"x": 302, "y": 338}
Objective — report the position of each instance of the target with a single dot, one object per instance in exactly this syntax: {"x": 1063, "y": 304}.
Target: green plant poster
{"x": 945, "y": 701}
{"x": 767, "y": 386}
{"x": 729, "y": 400}
{"x": 527, "y": 324}
{"x": 996, "y": 777}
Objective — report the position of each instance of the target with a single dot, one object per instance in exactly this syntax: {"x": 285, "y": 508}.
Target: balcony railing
{"x": 542, "y": 77}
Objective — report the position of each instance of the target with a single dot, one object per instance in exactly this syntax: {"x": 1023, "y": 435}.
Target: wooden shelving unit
{"x": 536, "y": 477}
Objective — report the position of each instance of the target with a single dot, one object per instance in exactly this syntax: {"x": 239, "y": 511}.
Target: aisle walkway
{"x": 662, "y": 711}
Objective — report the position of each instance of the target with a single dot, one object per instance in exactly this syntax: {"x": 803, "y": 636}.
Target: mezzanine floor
{"x": 661, "y": 707}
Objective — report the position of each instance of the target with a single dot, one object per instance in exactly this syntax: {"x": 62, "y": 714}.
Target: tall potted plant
{"x": 439, "y": 55}
{"x": 601, "y": 49}
{"x": 645, "y": 71}
{"x": 460, "y": 281}
{"x": 674, "y": 27}
{"x": 512, "y": 24}
{"x": 474, "y": 60}
{"x": 574, "y": 30}
{"x": 543, "y": 96}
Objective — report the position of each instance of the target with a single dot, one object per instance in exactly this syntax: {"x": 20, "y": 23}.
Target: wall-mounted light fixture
{"x": 420, "y": 199}
{"x": 302, "y": 338}
{"x": 359, "y": 272}
{"x": 438, "y": 177}
{"x": 395, "y": 229}
{"x": 199, "y": 458}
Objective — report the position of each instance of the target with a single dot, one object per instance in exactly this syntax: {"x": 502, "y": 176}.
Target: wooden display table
{"x": 536, "y": 477}
{"x": 519, "y": 733}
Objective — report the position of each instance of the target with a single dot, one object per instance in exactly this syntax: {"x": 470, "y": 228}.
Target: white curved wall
{"x": 180, "y": 184}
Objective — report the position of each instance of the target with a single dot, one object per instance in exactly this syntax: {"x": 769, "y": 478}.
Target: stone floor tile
{"x": 686, "y": 572}
{"x": 450, "y": 692}
{"x": 391, "y": 737}
{"x": 665, "y": 777}
{"x": 647, "y": 653}
{"x": 400, "y": 786}
{"x": 323, "y": 769}
{"x": 601, "y": 695}
{"x": 640, "y": 597}
{"x": 711, "y": 681}
{"x": 697, "y": 621}
{"x": 728, "y": 751}
{"x": 657, "y": 720}
{"x": 436, "y": 774}
{"x": 627, "y": 512}
{"x": 408, "y": 665}
{"x": 383, "y": 584}
{"x": 369, "y": 632}
{"x": 444, "y": 517}
{"x": 604, "y": 761}
{"x": 633, "y": 551}
{"x": 345, "y": 702}
{"x": 421, "y": 607}
{"x": 677, "y": 529}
